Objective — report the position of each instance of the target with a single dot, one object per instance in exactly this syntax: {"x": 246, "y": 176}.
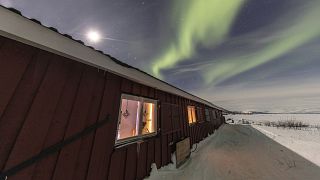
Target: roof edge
{"x": 30, "y": 31}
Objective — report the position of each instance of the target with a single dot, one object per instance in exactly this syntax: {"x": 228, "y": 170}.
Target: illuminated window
{"x": 148, "y": 118}
{"x": 207, "y": 113}
{"x": 137, "y": 118}
{"x": 192, "y": 115}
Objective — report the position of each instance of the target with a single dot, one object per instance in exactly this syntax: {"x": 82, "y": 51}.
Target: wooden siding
{"x": 46, "y": 98}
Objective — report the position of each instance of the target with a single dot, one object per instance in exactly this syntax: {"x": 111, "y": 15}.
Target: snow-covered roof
{"x": 15, "y": 26}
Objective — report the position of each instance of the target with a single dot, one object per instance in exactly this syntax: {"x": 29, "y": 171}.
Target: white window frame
{"x": 137, "y": 138}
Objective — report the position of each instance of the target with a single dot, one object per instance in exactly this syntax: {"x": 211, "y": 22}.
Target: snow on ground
{"x": 241, "y": 152}
{"x": 305, "y": 142}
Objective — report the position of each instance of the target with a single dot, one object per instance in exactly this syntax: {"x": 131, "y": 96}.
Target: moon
{"x": 94, "y": 36}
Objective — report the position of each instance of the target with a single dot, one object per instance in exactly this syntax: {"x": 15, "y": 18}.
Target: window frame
{"x": 134, "y": 139}
{"x": 195, "y": 115}
{"x": 206, "y": 110}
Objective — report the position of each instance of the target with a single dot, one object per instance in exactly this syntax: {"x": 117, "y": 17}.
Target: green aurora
{"x": 203, "y": 23}
{"x": 207, "y": 26}
{"x": 247, "y": 55}
{"x": 302, "y": 30}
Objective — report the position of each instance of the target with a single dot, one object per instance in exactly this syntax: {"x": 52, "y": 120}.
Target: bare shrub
{"x": 244, "y": 121}
{"x": 267, "y": 123}
{"x": 287, "y": 124}
{"x": 315, "y": 126}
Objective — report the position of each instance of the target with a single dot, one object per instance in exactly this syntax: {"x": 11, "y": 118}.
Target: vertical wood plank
{"x": 169, "y": 149}
{"x": 157, "y": 149}
{"x": 197, "y": 128}
{"x": 196, "y": 133}
{"x": 164, "y": 150}
{"x": 44, "y": 168}
{"x": 126, "y": 85}
{"x": 168, "y": 97}
{"x": 14, "y": 116}
{"x": 175, "y": 137}
{"x": 151, "y": 92}
{"x": 144, "y": 91}
{"x": 186, "y": 124}
{"x": 2, "y": 41}
{"x": 131, "y": 162}
{"x": 184, "y": 118}
{"x": 161, "y": 96}
{"x": 14, "y": 60}
{"x": 166, "y": 123}
{"x": 191, "y": 135}
{"x": 105, "y": 136}
{"x": 117, "y": 164}
{"x": 87, "y": 141}
{"x": 136, "y": 89}
{"x": 37, "y": 123}
{"x": 151, "y": 154}
{"x": 67, "y": 159}
{"x": 142, "y": 161}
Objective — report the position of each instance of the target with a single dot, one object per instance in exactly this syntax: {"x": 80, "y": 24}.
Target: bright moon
{"x": 93, "y": 36}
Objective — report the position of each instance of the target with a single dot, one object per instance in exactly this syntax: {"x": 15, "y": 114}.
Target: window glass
{"x": 199, "y": 114}
{"x": 129, "y": 118}
{"x": 137, "y": 117}
{"x": 191, "y": 114}
{"x": 207, "y": 114}
{"x": 194, "y": 119}
{"x": 148, "y": 121}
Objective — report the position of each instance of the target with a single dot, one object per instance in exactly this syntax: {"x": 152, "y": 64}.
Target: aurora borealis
{"x": 248, "y": 55}
{"x": 202, "y": 23}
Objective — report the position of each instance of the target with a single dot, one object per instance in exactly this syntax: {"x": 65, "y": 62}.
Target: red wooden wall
{"x": 45, "y": 98}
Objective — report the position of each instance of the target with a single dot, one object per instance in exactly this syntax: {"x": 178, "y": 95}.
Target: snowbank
{"x": 304, "y": 142}
{"x": 240, "y": 152}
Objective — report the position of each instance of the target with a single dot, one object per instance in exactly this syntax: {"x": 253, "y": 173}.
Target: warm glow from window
{"x": 129, "y": 123}
{"x": 137, "y": 117}
{"x": 191, "y": 114}
{"x": 148, "y": 119}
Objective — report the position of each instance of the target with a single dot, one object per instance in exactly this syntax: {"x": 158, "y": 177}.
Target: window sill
{"x": 133, "y": 140}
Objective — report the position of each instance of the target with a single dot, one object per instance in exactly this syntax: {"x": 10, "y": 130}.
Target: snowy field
{"x": 311, "y": 119}
{"x": 253, "y": 151}
{"x": 305, "y": 142}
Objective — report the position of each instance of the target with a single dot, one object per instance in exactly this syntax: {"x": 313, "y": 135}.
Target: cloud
{"x": 6, "y": 3}
{"x": 281, "y": 95}
{"x": 200, "y": 22}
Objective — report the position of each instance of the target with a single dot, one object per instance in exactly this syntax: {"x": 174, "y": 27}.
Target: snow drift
{"x": 241, "y": 152}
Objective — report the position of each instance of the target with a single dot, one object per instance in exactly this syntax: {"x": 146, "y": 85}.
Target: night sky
{"x": 248, "y": 55}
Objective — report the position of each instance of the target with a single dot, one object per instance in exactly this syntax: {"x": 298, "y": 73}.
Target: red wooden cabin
{"x": 53, "y": 87}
